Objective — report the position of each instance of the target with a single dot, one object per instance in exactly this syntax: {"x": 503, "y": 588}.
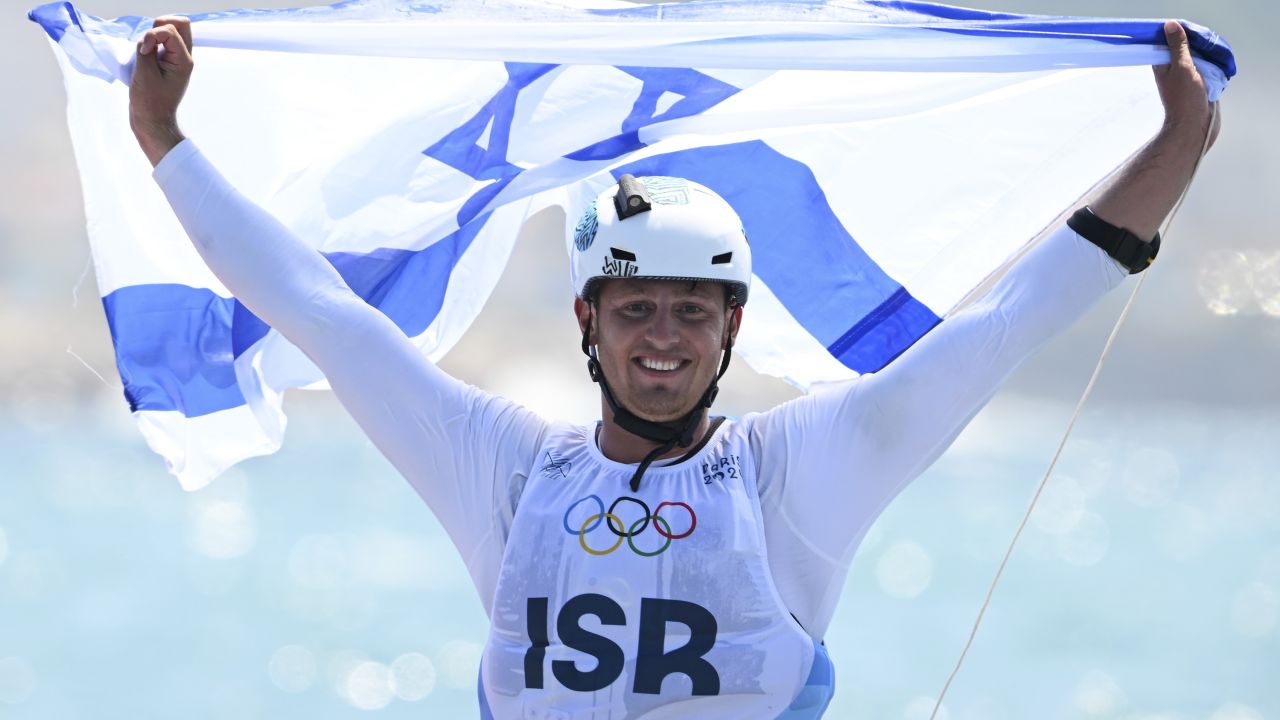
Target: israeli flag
{"x": 888, "y": 160}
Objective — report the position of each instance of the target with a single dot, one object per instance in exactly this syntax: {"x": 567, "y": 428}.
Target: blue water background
{"x": 1149, "y": 588}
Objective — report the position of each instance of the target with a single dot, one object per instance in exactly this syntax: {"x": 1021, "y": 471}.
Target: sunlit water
{"x": 315, "y": 584}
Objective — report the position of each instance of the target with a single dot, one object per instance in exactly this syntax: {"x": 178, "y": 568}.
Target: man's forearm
{"x": 1147, "y": 188}
{"x": 157, "y": 140}
{"x": 284, "y": 281}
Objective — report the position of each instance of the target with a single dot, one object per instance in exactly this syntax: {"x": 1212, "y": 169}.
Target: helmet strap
{"x": 667, "y": 434}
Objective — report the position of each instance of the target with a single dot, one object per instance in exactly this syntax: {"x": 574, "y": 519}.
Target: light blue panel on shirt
{"x": 818, "y": 689}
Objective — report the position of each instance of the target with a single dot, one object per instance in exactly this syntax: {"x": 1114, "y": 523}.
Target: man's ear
{"x": 735, "y": 322}
{"x": 583, "y": 310}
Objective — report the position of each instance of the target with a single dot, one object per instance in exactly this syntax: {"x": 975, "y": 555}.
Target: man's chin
{"x": 661, "y": 412}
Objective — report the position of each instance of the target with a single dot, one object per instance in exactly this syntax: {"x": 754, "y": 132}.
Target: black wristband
{"x": 1124, "y": 246}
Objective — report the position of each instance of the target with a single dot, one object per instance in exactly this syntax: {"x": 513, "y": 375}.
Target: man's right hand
{"x": 161, "y": 72}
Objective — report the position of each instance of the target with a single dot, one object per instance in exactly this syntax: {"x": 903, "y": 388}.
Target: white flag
{"x": 886, "y": 158}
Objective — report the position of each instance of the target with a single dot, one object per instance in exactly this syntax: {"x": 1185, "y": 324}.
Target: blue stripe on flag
{"x": 173, "y": 348}
{"x": 1120, "y": 31}
{"x": 460, "y": 149}
{"x": 700, "y": 92}
{"x": 407, "y": 285}
{"x": 176, "y": 345}
{"x": 57, "y": 17}
{"x": 863, "y": 316}
{"x": 910, "y": 14}
{"x": 1204, "y": 42}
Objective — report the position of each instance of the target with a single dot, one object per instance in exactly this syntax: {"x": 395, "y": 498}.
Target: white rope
{"x": 1097, "y": 370}
{"x": 90, "y": 368}
{"x": 84, "y": 273}
{"x": 75, "y": 302}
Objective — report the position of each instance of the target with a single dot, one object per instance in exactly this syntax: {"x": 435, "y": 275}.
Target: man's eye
{"x": 691, "y": 309}
{"x": 634, "y": 307}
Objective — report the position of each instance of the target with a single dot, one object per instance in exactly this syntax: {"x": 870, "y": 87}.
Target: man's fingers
{"x": 1176, "y": 36}
{"x": 179, "y": 23}
{"x": 152, "y": 39}
{"x": 167, "y": 37}
{"x": 145, "y": 64}
{"x": 175, "y": 48}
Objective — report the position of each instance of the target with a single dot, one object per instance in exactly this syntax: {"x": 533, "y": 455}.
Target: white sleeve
{"x": 464, "y": 451}
{"x": 832, "y": 460}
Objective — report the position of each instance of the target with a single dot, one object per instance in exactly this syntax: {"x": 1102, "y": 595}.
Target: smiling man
{"x": 661, "y": 563}
{"x": 662, "y": 269}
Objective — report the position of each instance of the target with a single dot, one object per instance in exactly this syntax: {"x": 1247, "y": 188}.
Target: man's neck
{"x": 621, "y": 446}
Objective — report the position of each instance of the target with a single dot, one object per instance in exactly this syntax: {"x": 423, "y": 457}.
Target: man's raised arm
{"x": 887, "y": 427}
{"x": 935, "y": 387}
{"x": 463, "y": 450}
{"x": 927, "y": 396}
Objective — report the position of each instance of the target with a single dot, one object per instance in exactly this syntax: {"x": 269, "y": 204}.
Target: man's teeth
{"x": 663, "y": 365}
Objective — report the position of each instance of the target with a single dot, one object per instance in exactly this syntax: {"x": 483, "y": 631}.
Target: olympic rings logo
{"x": 611, "y": 520}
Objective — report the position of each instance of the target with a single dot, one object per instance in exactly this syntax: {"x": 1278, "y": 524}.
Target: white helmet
{"x": 663, "y": 228}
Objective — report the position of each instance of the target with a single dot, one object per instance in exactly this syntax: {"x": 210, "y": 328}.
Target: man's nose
{"x": 662, "y": 330}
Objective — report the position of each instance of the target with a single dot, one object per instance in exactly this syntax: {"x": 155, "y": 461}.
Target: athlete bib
{"x": 653, "y": 604}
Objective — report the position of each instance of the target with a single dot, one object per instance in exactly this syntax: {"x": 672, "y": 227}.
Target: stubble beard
{"x": 660, "y": 404}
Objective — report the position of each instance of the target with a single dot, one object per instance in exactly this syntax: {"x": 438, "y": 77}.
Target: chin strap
{"x": 667, "y": 434}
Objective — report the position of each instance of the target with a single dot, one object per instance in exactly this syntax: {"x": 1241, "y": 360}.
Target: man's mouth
{"x": 659, "y": 365}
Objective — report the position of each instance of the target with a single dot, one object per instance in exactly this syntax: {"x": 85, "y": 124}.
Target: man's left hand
{"x": 1186, "y": 105}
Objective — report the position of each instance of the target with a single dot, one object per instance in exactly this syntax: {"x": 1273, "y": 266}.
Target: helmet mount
{"x": 632, "y": 197}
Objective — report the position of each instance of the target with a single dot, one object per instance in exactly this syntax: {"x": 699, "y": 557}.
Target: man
{"x": 661, "y": 563}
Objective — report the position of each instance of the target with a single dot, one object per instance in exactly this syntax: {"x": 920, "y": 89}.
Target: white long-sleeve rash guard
{"x": 828, "y": 463}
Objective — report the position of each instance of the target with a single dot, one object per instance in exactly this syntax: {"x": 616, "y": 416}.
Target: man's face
{"x": 659, "y": 341}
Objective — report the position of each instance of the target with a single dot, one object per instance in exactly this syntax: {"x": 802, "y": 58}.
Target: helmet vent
{"x": 622, "y": 254}
{"x": 722, "y": 259}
